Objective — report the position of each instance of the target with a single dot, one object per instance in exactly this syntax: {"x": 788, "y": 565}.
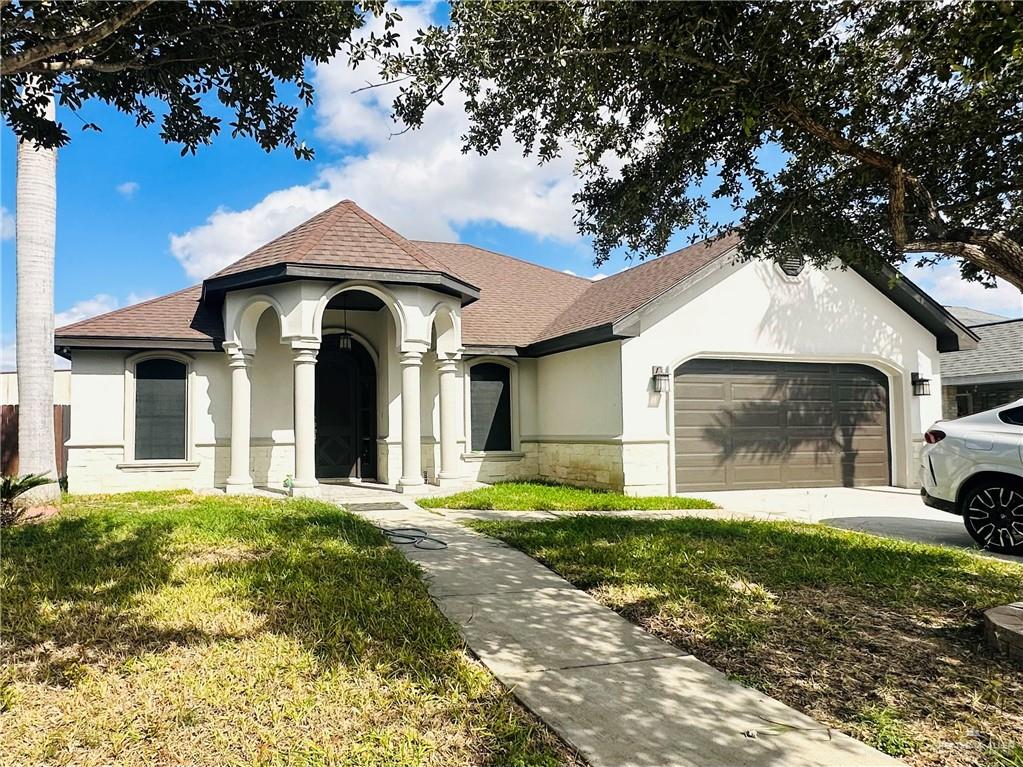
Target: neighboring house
{"x": 342, "y": 350}
{"x": 989, "y": 375}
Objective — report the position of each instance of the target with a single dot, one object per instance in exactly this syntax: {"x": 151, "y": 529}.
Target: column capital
{"x": 303, "y": 356}
{"x": 238, "y": 356}
{"x": 447, "y": 364}
{"x": 411, "y": 357}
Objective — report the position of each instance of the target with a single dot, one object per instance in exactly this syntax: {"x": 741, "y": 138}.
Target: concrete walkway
{"x": 618, "y": 695}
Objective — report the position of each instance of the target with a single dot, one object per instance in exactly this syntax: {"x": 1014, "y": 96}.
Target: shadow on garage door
{"x": 744, "y": 424}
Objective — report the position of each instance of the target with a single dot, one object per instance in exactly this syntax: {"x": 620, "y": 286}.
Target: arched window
{"x": 490, "y": 407}
{"x": 160, "y": 410}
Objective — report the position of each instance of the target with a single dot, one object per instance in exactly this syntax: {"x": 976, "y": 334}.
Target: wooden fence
{"x": 9, "y": 438}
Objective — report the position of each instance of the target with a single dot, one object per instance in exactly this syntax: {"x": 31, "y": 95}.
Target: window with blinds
{"x": 490, "y": 407}
{"x": 160, "y": 410}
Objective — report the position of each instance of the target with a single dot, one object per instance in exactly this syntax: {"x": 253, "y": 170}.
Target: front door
{"x": 345, "y": 411}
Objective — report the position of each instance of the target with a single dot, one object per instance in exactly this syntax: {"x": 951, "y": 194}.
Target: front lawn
{"x": 540, "y": 496}
{"x": 879, "y": 638}
{"x": 171, "y": 628}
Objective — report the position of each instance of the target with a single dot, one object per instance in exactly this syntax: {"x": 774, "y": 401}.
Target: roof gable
{"x": 342, "y": 236}
{"x": 619, "y": 295}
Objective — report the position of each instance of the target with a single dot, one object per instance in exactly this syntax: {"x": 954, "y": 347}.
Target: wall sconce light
{"x": 659, "y": 377}
{"x": 921, "y": 385}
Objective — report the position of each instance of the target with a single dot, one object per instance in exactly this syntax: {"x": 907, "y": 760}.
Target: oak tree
{"x": 899, "y": 126}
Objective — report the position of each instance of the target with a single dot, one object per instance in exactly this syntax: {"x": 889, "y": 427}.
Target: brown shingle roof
{"x": 520, "y": 302}
{"x": 343, "y": 235}
{"x": 621, "y": 294}
{"x": 176, "y": 317}
{"x": 518, "y": 299}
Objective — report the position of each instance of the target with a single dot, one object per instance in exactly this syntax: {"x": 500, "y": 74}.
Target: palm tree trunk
{"x": 36, "y": 221}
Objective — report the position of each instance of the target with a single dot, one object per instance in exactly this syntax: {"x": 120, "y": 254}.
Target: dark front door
{"x": 345, "y": 411}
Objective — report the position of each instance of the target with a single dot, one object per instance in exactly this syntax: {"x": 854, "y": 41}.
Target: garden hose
{"x": 412, "y": 536}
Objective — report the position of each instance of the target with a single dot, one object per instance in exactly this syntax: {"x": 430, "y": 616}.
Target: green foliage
{"x": 12, "y": 487}
{"x": 899, "y": 125}
{"x": 877, "y": 637}
{"x": 887, "y": 731}
{"x": 199, "y": 629}
{"x": 540, "y": 496}
{"x": 175, "y": 58}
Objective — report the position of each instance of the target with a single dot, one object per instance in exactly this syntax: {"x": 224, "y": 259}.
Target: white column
{"x": 411, "y": 440}
{"x": 304, "y": 482}
{"x": 240, "y": 480}
{"x": 449, "y": 463}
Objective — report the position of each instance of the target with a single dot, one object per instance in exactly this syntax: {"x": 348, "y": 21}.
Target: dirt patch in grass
{"x": 170, "y": 628}
{"x": 880, "y": 639}
{"x": 542, "y": 496}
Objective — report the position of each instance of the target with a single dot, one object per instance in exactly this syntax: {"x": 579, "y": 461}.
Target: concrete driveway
{"x": 892, "y": 511}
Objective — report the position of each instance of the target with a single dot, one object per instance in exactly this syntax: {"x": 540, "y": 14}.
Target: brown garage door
{"x": 744, "y": 424}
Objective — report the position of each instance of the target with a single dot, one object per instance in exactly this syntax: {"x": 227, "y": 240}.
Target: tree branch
{"x": 110, "y": 67}
{"x": 22, "y": 60}
{"x": 997, "y": 252}
{"x": 991, "y": 194}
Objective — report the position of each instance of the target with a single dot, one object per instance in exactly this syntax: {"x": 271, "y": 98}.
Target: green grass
{"x": 171, "y": 628}
{"x": 877, "y": 637}
{"x": 540, "y": 496}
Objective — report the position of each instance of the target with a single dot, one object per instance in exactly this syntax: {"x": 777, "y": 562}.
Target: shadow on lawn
{"x": 340, "y": 590}
{"x": 835, "y": 624}
{"x": 80, "y": 590}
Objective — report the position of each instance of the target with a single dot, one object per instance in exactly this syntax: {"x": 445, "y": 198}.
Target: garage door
{"x": 743, "y": 424}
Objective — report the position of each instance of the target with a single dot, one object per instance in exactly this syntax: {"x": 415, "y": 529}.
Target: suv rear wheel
{"x": 993, "y": 514}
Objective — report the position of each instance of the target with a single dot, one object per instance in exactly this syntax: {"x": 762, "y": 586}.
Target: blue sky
{"x": 136, "y": 219}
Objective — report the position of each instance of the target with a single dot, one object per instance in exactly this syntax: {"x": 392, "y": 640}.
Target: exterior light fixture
{"x": 344, "y": 341}
{"x": 921, "y": 385}
{"x": 659, "y": 378}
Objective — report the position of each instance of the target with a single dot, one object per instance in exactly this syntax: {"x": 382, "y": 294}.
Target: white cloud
{"x": 128, "y": 189}
{"x": 9, "y": 356}
{"x": 90, "y": 307}
{"x": 944, "y": 283}
{"x": 419, "y": 182}
{"x": 6, "y": 224}
{"x": 101, "y": 303}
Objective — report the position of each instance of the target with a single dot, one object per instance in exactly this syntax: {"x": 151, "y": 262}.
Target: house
{"x": 986, "y": 376}
{"x": 343, "y": 351}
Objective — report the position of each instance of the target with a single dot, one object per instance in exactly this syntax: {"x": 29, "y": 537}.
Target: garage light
{"x": 921, "y": 385}
{"x": 659, "y": 377}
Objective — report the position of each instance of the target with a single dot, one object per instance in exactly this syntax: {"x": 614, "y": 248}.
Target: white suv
{"x": 973, "y": 467}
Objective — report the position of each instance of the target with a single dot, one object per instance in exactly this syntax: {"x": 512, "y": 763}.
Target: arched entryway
{"x": 346, "y": 389}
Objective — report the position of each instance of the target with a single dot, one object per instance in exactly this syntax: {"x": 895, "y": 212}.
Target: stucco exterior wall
{"x": 587, "y": 416}
{"x": 98, "y": 456}
{"x": 754, "y": 310}
{"x": 99, "y": 460}
{"x": 579, "y": 394}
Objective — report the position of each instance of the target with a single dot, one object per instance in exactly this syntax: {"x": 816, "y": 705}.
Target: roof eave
{"x": 575, "y": 340}
{"x": 63, "y": 344}
{"x": 444, "y": 283}
{"x": 973, "y": 379}
{"x": 951, "y": 334}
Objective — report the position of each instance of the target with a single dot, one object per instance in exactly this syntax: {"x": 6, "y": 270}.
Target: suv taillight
{"x": 933, "y": 436}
